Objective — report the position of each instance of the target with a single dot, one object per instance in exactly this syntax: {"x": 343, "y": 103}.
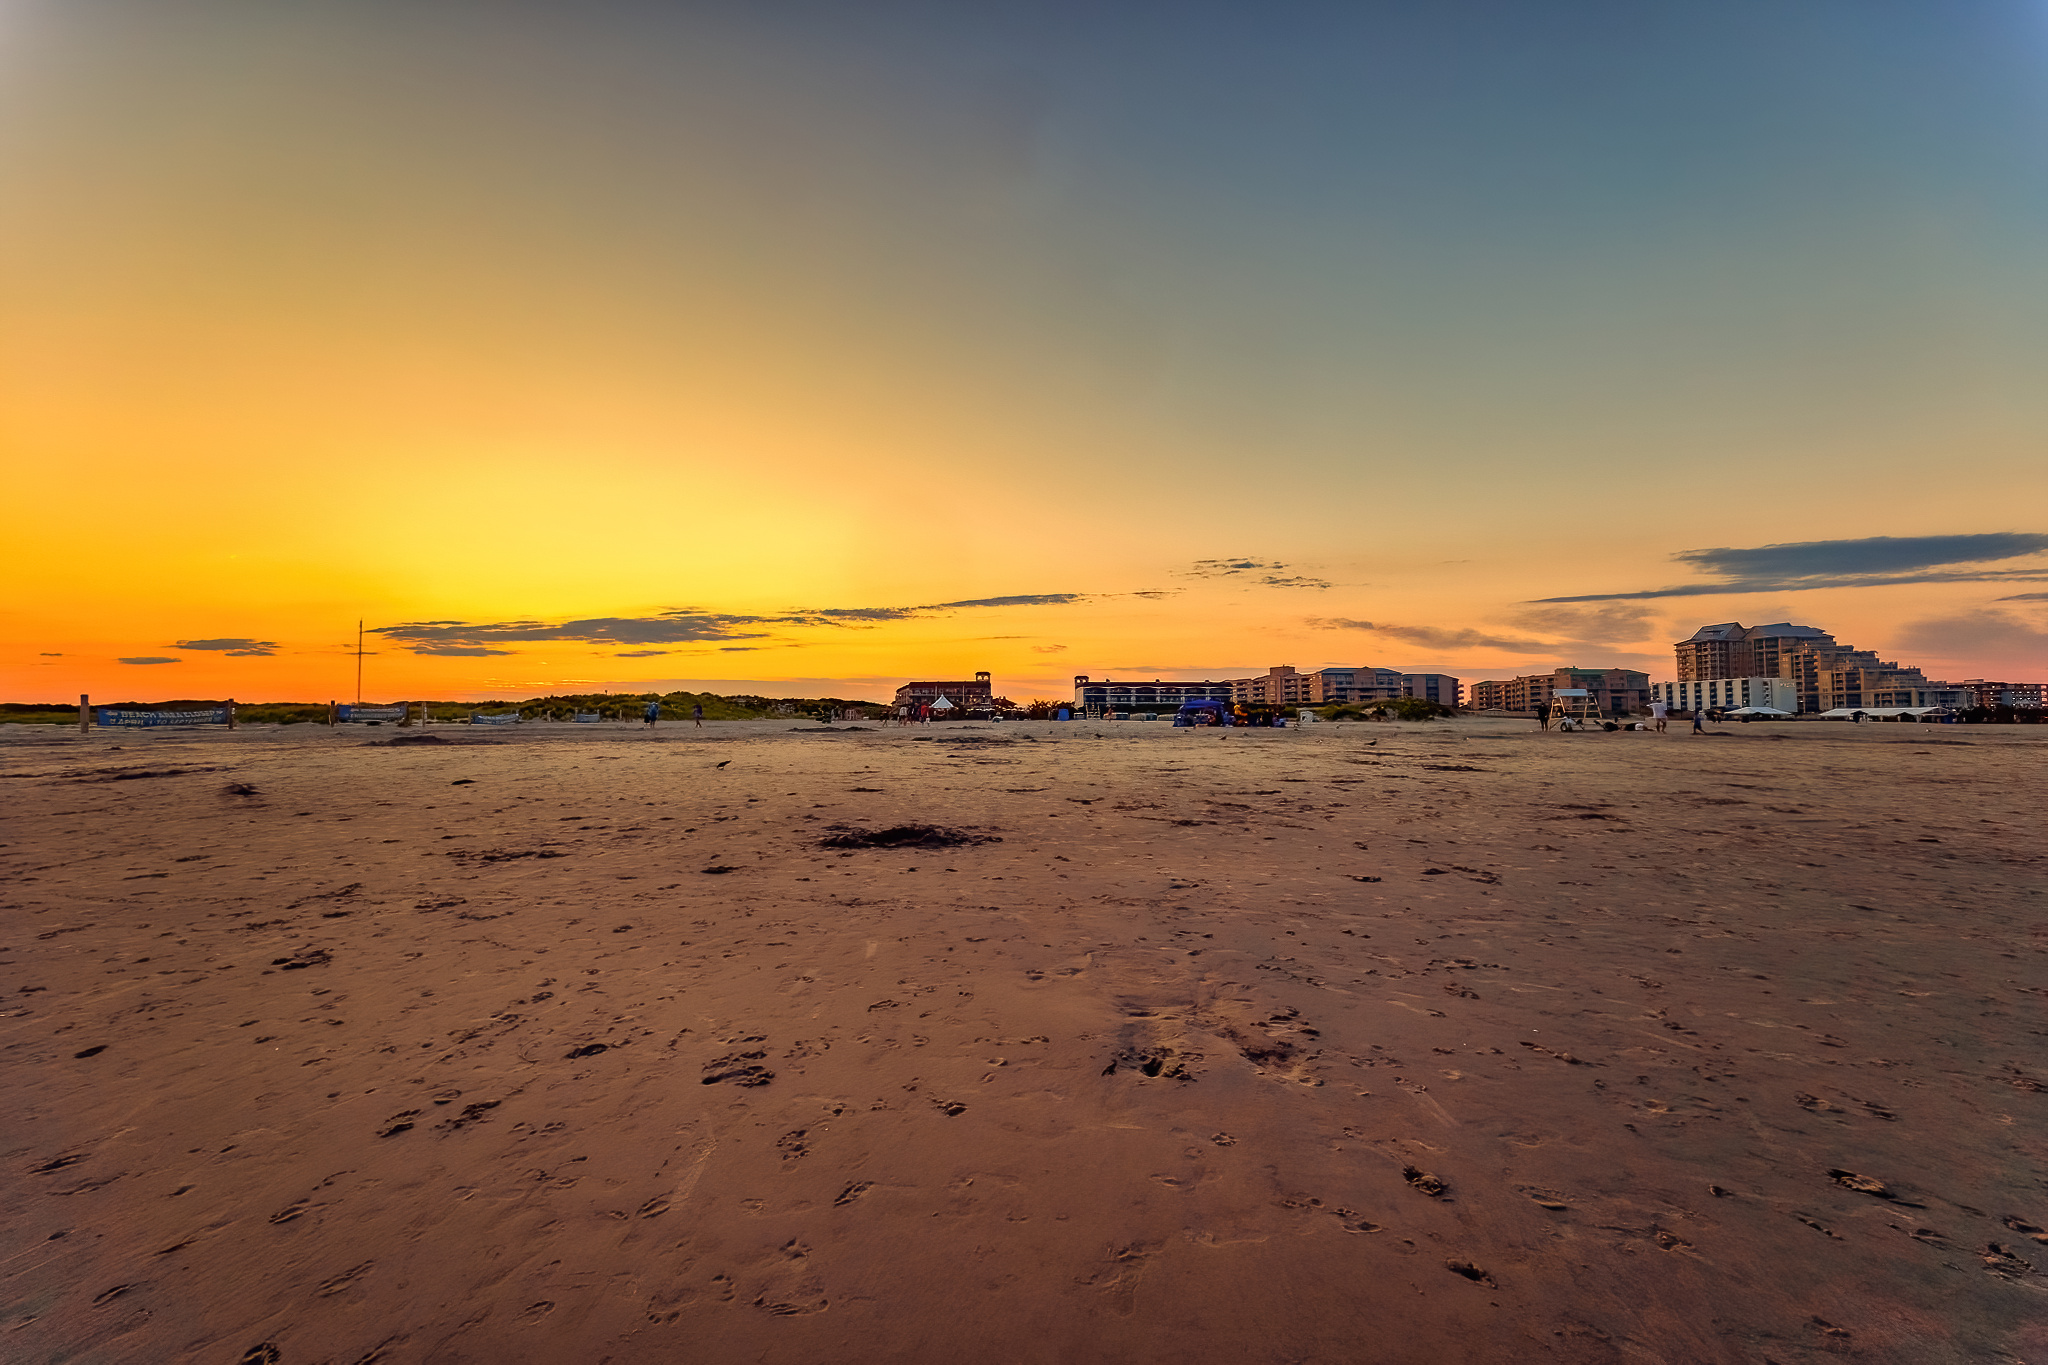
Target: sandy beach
{"x": 1430, "y": 1043}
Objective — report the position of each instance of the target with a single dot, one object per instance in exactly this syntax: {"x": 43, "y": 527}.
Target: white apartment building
{"x": 1728, "y": 694}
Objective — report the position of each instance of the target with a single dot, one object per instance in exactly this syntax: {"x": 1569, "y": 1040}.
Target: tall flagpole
{"x": 359, "y": 661}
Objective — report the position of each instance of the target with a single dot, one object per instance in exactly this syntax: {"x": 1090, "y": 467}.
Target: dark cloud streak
{"x": 259, "y": 649}
{"x": 1869, "y": 562}
{"x": 685, "y": 626}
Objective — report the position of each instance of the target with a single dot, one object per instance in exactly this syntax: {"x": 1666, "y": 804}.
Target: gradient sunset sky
{"x": 808, "y": 347}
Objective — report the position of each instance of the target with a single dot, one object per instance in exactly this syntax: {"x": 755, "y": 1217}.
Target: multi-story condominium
{"x": 1823, "y": 674}
{"x": 1279, "y": 686}
{"x": 1886, "y": 684}
{"x": 2027, "y": 696}
{"x": 1728, "y": 694}
{"x": 1619, "y": 691}
{"x": 1490, "y": 695}
{"x": 1732, "y": 650}
{"x": 1093, "y": 698}
{"x": 1527, "y": 694}
{"x": 1283, "y": 685}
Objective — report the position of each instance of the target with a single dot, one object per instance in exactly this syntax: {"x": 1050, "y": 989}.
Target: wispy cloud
{"x": 1048, "y": 649}
{"x": 1227, "y": 568}
{"x": 1265, "y": 572}
{"x": 1868, "y": 562}
{"x": 150, "y": 659}
{"x": 47, "y": 655}
{"x": 2026, "y": 597}
{"x": 642, "y": 653}
{"x": 240, "y": 648}
{"x": 684, "y": 626}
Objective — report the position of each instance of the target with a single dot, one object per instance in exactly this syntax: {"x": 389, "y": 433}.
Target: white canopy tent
{"x": 1882, "y": 712}
{"x": 1756, "y": 711}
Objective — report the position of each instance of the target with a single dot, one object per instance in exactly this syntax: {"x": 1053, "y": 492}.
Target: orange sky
{"x": 703, "y": 326}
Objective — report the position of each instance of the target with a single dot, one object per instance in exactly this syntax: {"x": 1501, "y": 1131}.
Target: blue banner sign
{"x": 509, "y": 718}
{"x": 109, "y": 716}
{"x": 348, "y": 714}
{"x": 588, "y": 717}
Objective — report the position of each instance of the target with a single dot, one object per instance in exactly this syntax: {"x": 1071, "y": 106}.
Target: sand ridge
{"x": 1352, "y": 1043}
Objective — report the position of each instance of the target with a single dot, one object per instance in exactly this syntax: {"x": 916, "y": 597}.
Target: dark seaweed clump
{"x": 905, "y": 836}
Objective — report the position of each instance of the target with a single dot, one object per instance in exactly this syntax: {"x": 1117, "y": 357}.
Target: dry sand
{"x": 1437, "y": 1043}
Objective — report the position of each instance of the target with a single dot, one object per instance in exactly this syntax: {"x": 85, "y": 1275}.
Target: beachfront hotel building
{"x": 978, "y": 695}
{"x": 1283, "y": 685}
{"x": 1822, "y": 674}
{"x": 1732, "y": 650}
{"x": 1092, "y": 698}
{"x": 1619, "y": 691}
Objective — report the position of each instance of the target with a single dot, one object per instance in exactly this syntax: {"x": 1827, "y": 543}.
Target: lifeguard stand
{"x": 1578, "y": 705}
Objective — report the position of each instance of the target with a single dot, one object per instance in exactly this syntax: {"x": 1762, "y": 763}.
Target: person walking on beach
{"x": 1658, "y": 711}
{"x": 1543, "y": 714}
{"x": 651, "y": 714}
{"x": 697, "y": 714}
{"x": 1699, "y": 718}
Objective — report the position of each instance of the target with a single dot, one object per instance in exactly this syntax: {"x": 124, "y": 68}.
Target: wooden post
{"x": 330, "y": 713}
{"x": 231, "y": 713}
{"x": 84, "y": 714}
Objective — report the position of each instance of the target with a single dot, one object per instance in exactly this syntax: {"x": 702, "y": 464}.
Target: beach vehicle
{"x": 1204, "y": 711}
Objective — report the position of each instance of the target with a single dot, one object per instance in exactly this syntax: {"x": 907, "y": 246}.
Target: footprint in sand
{"x": 291, "y": 1211}
{"x": 738, "y": 1067}
{"x": 342, "y": 1281}
{"x": 2004, "y": 1262}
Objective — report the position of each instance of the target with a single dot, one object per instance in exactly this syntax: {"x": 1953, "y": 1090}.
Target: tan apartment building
{"x": 1863, "y": 686}
{"x": 1284, "y": 685}
{"x": 1620, "y": 691}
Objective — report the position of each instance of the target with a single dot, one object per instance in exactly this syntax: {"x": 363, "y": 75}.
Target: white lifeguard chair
{"x": 1576, "y": 708}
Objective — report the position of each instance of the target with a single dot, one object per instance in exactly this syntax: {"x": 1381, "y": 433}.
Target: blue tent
{"x": 1221, "y": 710}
